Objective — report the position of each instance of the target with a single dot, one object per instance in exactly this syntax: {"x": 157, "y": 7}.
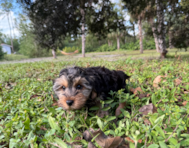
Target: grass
{"x": 114, "y": 55}
{"x": 29, "y": 117}
{"x": 14, "y": 57}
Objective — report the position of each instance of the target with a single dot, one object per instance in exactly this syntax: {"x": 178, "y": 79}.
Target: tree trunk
{"x": 170, "y": 38}
{"x": 170, "y": 28}
{"x": 140, "y": 33}
{"x": 134, "y": 32}
{"x": 118, "y": 42}
{"x": 83, "y": 31}
{"x": 154, "y": 34}
{"x": 109, "y": 43}
{"x": 54, "y": 53}
{"x": 161, "y": 28}
{"x": 10, "y": 33}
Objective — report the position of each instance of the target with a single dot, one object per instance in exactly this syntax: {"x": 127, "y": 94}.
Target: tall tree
{"x": 7, "y": 7}
{"x": 55, "y": 19}
{"x": 140, "y": 32}
{"x": 161, "y": 27}
{"x": 52, "y": 20}
{"x": 145, "y": 7}
{"x": 134, "y": 17}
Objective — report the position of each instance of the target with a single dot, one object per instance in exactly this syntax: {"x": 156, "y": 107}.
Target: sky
{"x": 4, "y": 25}
{"x": 14, "y": 14}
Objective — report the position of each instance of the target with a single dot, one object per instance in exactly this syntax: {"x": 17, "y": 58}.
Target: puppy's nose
{"x": 69, "y": 102}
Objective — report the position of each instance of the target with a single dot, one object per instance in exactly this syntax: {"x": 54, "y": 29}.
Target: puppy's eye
{"x": 78, "y": 86}
{"x": 63, "y": 87}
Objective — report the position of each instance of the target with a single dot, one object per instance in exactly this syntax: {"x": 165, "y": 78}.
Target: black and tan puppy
{"x": 77, "y": 87}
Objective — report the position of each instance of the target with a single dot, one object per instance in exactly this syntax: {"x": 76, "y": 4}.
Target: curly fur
{"x": 95, "y": 82}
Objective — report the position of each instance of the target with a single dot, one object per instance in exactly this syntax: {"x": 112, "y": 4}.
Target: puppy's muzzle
{"x": 69, "y": 102}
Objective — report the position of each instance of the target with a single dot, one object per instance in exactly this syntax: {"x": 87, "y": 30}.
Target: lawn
{"x": 30, "y": 117}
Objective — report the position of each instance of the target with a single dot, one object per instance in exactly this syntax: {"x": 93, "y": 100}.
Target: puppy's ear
{"x": 93, "y": 94}
{"x": 127, "y": 77}
{"x": 122, "y": 75}
{"x": 63, "y": 71}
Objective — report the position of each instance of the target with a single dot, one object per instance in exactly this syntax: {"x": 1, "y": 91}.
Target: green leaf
{"x": 53, "y": 124}
{"x": 153, "y": 146}
{"x": 95, "y": 137}
{"x": 131, "y": 145}
{"x": 108, "y": 101}
{"x": 159, "y": 119}
{"x": 60, "y": 143}
{"x": 110, "y": 118}
{"x": 185, "y": 135}
{"x": 106, "y": 108}
{"x": 169, "y": 130}
{"x": 13, "y": 142}
{"x": 153, "y": 99}
{"x": 100, "y": 123}
{"x": 94, "y": 108}
{"x": 173, "y": 141}
{"x": 126, "y": 113}
{"x": 162, "y": 144}
{"x": 161, "y": 132}
{"x": 185, "y": 142}
{"x": 27, "y": 123}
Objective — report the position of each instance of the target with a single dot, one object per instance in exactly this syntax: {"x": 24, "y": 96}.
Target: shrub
{"x": 70, "y": 49}
{"x": 131, "y": 46}
{"x": 106, "y": 47}
{"x": 15, "y": 57}
{"x": 1, "y": 53}
{"x": 149, "y": 43}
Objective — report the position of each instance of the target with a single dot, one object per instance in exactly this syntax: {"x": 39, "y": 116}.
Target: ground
{"x": 148, "y": 54}
{"x": 30, "y": 117}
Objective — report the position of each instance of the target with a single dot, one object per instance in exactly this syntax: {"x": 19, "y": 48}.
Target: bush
{"x": 14, "y": 57}
{"x": 106, "y": 47}
{"x": 70, "y": 49}
{"x": 1, "y": 53}
{"x": 131, "y": 46}
{"x": 149, "y": 43}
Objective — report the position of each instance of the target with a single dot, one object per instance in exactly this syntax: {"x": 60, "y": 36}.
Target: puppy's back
{"x": 106, "y": 80}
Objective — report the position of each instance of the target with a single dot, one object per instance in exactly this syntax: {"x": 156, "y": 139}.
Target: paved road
{"x": 28, "y": 60}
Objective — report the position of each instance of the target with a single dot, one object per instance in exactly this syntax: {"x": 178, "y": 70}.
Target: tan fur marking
{"x": 62, "y": 80}
{"x": 79, "y": 102}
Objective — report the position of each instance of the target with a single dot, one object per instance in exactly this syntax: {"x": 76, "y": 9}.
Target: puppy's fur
{"x": 77, "y": 87}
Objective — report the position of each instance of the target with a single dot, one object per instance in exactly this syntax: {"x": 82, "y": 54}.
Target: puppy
{"x": 77, "y": 87}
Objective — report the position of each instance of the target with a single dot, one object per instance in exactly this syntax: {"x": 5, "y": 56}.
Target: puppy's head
{"x": 72, "y": 88}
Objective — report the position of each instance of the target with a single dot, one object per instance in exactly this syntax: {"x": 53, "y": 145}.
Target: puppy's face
{"x": 72, "y": 89}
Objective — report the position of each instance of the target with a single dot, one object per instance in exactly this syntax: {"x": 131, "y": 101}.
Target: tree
{"x": 140, "y": 32}
{"x": 114, "y": 24}
{"x": 180, "y": 25}
{"x": 7, "y": 7}
{"x": 133, "y": 18}
{"x": 54, "y": 20}
{"x": 28, "y": 44}
{"x": 133, "y": 22}
{"x": 119, "y": 28}
{"x": 146, "y": 7}
{"x": 1, "y": 53}
{"x": 160, "y": 31}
